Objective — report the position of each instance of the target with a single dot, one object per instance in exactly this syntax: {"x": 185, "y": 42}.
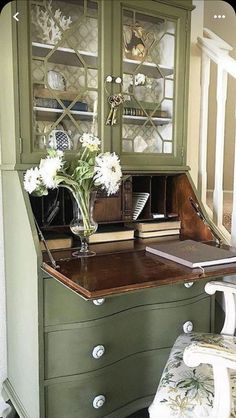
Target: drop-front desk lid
{"x": 123, "y": 267}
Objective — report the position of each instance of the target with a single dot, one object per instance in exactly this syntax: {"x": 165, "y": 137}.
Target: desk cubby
{"x": 169, "y": 195}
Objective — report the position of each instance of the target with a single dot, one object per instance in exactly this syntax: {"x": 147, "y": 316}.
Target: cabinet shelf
{"x": 47, "y": 113}
{"x": 138, "y": 120}
{"x": 147, "y": 68}
{"x": 68, "y": 56}
{"x": 65, "y": 56}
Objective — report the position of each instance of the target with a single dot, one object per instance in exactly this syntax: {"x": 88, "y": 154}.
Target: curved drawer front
{"x": 61, "y": 305}
{"x": 121, "y": 384}
{"x": 69, "y": 350}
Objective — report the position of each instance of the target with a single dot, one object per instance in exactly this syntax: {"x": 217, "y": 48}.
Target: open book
{"x": 192, "y": 253}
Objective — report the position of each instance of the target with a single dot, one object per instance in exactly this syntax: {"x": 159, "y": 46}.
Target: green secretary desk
{"x": 92, "y": 342}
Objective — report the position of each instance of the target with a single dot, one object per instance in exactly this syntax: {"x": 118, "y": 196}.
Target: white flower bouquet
{"x": 88, "y": 171}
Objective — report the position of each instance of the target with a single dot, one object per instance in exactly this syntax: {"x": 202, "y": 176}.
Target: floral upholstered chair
{"x": 199, "y": 379}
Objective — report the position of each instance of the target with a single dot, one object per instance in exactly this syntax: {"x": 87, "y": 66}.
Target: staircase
{"x": 215, "y": 50}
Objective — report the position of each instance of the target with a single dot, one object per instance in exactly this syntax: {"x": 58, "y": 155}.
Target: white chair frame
{"x": 222, "y": 358}
{"x": 219, "y": 358}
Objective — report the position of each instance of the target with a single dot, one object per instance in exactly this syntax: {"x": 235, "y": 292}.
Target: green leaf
{"x": 66, "y": 180}
{"x": 40, "y": 192}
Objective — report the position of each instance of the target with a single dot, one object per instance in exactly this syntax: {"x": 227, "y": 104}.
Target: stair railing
{"x": 216, "y": 50}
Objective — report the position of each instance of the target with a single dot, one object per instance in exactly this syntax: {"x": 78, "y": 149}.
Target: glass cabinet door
{"x": 68, "y": 48}
{"x": 64, "y": 72}
{"x": 148, "y": 83}
{"x": 151, "y": 73}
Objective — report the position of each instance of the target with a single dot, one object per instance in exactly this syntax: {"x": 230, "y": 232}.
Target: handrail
{"x": 209, "y": 35}
{"x": 217, "y": 50}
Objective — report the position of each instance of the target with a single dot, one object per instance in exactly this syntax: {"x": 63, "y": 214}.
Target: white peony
{"x": 108, "y": 172}
{"x": 32, "y": 180}
{"x": 48, "y": 169}
{"x": 90, "y": 141}
{"x": 87, "y": 170}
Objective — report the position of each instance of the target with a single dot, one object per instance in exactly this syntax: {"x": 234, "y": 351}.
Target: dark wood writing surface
{"x": 120, "y": 267}
{"x": 122, "y": 271}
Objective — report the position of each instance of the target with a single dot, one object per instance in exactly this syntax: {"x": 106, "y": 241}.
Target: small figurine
{"x": 134, "y": 45}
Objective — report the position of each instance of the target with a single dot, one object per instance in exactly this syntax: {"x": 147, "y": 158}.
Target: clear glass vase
{"x": 83, "y": 224}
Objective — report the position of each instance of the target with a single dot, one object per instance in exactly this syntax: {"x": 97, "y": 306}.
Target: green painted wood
{"x": 128, "y": 380}
{"x": 185, "y": 4}
{"x": 57, "y": 296}
{"x": 24, "y": 326}
{"x": 110, "y": 12}
{"x": 182, "y": 18}
{"x": 9, "y": 393}
{"x": 105, "y": 70}
{"x": 8, "y": 76}
{"x": 120, "y": 335}
{"x": 29, "y": 154}
{"x": 25, "y": 92}
{"x": 129, "y": 373}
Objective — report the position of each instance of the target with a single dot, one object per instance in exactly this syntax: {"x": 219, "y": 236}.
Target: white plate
{"x": 139, "y": 201}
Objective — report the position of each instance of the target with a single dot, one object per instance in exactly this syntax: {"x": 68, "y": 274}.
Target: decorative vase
{"x": 140, "y": 92}
{"x": 83, "y": 224}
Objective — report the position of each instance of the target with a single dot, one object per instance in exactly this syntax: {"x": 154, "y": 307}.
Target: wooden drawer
{"x": 62, "y": 305}
{"x": 68, "y": 349}
{"x": 123, "y": 384}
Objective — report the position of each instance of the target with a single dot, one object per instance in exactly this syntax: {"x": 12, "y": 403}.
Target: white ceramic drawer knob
{"x": 188, "y": 284}
{"x": 109, "y": 79}
{"x": 118, "y": 80}
{"x": 99, "y": 302}
{"x": 98, "y": 351}
{"x": 99, "y": 401}
{"x": 188, "y": 327}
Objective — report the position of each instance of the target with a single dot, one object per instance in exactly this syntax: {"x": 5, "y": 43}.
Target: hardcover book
{"x": 162, "y": 233}
{"x": 106, "y": 235}
{"x": 57, "y": 242}
{"x": 192, "y": 253}
{"x": 157, "y": 226}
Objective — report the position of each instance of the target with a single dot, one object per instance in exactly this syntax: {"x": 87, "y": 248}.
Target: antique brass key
{"x": 112, "y": 103}
{"x": 114, "y": 100}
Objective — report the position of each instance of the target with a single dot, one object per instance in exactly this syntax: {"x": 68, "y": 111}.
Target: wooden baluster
{"x": 233, "y": 227}
{"x": 202, "y": 175}
{"x": 219, "y": 156}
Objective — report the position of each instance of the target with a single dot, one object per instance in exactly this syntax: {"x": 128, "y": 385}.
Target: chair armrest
{"x": 217, "y": 286}
{"x": 229, "y": 291}
{"x": 221, "y": 358}
{"x": 201, "y": 352}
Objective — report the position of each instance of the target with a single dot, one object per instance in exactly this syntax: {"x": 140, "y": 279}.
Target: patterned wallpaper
{"x": 81, "y": 35}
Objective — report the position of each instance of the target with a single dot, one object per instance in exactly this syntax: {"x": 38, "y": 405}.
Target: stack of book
{"x": 56, "y": 241}
{"x": 141, "y": 108}
{"x": 106, "y": 234}
{"x": 131, "y": 111}
{"x": 157, "y": 229}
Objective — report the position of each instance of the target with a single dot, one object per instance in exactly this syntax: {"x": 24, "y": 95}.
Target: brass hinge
{"x": 20, "y": 145}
